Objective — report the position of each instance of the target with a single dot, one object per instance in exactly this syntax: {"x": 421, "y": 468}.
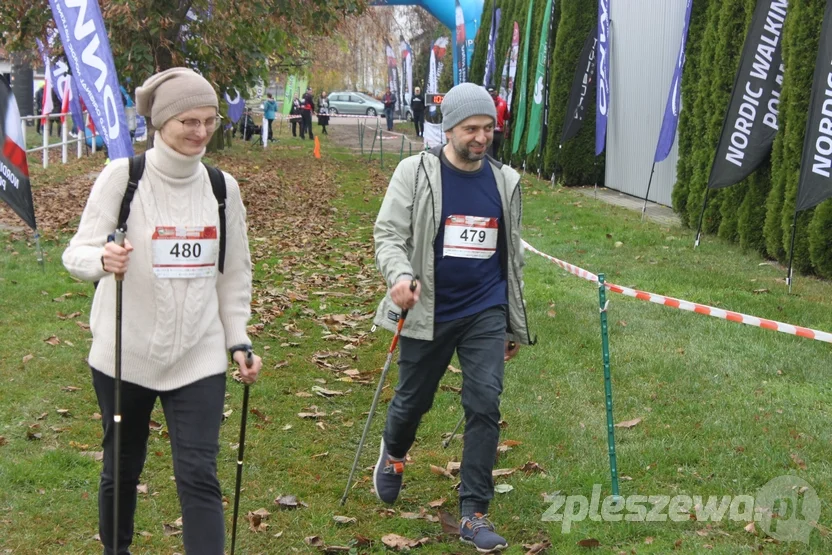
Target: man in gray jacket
{"x": 450, "y": 221}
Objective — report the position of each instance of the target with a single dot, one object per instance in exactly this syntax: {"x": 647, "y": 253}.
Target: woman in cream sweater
{"x": 180, "y": 320}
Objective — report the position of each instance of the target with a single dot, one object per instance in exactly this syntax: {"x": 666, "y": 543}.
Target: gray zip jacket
{"x": 406, "y": 229}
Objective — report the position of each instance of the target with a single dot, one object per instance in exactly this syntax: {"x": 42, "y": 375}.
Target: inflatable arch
{"x": 445, "y": 12}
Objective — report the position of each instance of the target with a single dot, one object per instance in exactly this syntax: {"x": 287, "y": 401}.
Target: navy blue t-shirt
{"x": 466, "y": 286}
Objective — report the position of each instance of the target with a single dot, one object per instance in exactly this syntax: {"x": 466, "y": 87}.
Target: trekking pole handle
{"x": 413, "y": 284}
{"x": 249, "y": 358}
{"x": 118, "y": 239}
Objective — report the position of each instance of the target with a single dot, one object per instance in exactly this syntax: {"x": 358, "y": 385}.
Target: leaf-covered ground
{"x": 703, "y": 407}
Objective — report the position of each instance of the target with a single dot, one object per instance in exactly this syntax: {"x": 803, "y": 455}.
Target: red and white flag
{"x": 15, "y": 188}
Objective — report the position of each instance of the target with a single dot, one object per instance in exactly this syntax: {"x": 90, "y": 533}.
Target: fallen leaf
{"x": 750, "y": 528}
{"x": 760, "y": 291}
{"x": 321, "y": 455}
{"x": 27, "y": 358}
{"x": 323, "y": 392}
{"x": 227, "y": 414}
{"x": 441, "y": 471}
{"x": 311, "y": 415}
{"x": 289, "y": 502}
{"x": 142, "y": 488}
{"x": 395, "y": 541}
{"x": 70, "y": 388}
{"x": 535, "y": 548}
{"x": 97, "y": 456}
{"x": 313, "y": 541}
{"x": 344, "y": 519}
{"x": 63, "y": 412}
{"x": 171, "y": 530}
{"x": 453, "y": 467}
{"x": 454, "y": 369}
{"x": 53, "y": 340}
{"x": 435, "y": 504}
{"x": 449, "y": 523}
{"x": 589, "y": 543}
{"x": 503, "y": 488}
{"x": 155, "y": 426}
{"x": 649, "y": 540}
{"x": 497, "y": 472}
{"x": 4, "y": 441}
{"x": 798, "y": 461}
{"x": 82, "y": 325}
{"x": 530, "y": 467}
{"x": 627, "y": 424}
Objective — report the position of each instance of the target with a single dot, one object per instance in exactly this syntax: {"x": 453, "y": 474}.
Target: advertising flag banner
{"x": 815, "y": 183}
{"x": 540, "y": 84}
{"x": 461, "y": 45}
{"x": 520, "y": 120}
{"x": 491, "y": 57}
{"x": 236, "y": 105}
{"x": 603, "y": 83}
{"x": 581, "y": 94}
{"x": 751, "y": 120}
{"x": 15, "y": 188}
{"x": 87, "y": 47}
{"x": 667, "y": 135}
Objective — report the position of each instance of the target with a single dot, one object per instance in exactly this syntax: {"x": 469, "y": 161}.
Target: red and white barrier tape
{"x": 689, "y": 306}
{"x": 329, "y": 115}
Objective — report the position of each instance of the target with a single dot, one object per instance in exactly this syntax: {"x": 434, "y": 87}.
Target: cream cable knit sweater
{"x": 174, "y": 331}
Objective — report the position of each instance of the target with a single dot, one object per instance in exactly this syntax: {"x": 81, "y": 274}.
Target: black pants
{"x": 306, "y": 124}
{"x": 497, "y": 144}
{"x": 270, "y": 128}
{"x": 295, "y": 122}
{"x": 193, "y": 414}
{"x": 479, "y": 342}
{"x": 419, "y": 123}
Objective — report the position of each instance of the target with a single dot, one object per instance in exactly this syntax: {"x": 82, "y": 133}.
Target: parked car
{"x": 354, "y": 103}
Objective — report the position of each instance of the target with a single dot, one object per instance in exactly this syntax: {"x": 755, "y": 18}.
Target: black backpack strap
{"x": 218, "y": 186}
{"x": 136, "y": 172}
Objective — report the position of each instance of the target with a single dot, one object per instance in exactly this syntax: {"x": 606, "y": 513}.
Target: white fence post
{"x": 64, "y": 137}
{"x": 45, "y": 144}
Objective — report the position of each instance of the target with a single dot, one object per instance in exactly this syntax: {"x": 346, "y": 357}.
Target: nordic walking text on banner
{"x": 470, "y": 237}
{"x": 185, "y": 252}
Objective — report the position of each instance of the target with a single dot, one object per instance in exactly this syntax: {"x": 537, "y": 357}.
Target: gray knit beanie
{"x": 172, "y": 92}
{"x": 463, "y": 101}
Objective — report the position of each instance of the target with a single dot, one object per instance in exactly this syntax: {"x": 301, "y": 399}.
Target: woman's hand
{"x": 248, "y": 374}
{"x": 115, "y": 258}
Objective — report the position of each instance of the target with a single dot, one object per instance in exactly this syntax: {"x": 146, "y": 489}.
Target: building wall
{"x": 644, "y": 46}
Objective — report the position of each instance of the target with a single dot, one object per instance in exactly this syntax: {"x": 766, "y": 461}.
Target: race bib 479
{"x": 470, "y": 237}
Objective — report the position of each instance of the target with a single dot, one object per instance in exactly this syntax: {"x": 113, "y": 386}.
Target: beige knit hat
{"x": 172, "y": 92}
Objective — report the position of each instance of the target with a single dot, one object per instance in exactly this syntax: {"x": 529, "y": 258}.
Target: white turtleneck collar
{"x": 171, "y": 163}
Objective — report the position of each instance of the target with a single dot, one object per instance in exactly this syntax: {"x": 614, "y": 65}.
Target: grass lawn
{"x": 724, "y": 408}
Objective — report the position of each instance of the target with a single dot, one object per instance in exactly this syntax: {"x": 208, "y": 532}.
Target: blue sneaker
{"x": 387, "y": 476}
{"x": 478, "y": 531}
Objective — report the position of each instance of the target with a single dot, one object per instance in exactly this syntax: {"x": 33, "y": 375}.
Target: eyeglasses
{"x": 193, "y": 125}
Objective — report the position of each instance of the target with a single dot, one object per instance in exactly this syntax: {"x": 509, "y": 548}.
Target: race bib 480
{"x": 185, "y": 252}
{"x": 470, "y": 237}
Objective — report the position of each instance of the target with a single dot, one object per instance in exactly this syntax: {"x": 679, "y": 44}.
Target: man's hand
{"x": 512, "y": 349}
{"x": 248, "y": 374}
{"x": 403, "y": 296}
{"x": 115, "y": 258}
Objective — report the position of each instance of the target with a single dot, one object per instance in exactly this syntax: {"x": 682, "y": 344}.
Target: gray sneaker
{"x": 387, "y": 476}
{"x": 478, "y": 531}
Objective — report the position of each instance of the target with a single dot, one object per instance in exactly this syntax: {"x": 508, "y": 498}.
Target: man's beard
{"x": 465, "y": 153}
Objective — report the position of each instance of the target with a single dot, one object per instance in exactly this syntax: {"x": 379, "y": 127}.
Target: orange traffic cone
{"x": 317, "y": 150}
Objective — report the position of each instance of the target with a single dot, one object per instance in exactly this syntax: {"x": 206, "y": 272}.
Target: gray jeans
{"x": 479, "y": 342}
{"x": 193, "y": 414}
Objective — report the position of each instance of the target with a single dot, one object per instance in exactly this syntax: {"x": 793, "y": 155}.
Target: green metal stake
{"x": 358, "y": 121}
{"x": 605, "y": 345}
{"x": 410, "y": 146}
{"x": 381, "y": 147}
{"x": 401, "y": 150}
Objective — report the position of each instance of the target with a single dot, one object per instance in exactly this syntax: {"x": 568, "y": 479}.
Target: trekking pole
{"x": 240, "y": 450}
{"x": 377, "y": 395}
{"x": 445, "y": 443}
{"x": 118, "y": 239}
